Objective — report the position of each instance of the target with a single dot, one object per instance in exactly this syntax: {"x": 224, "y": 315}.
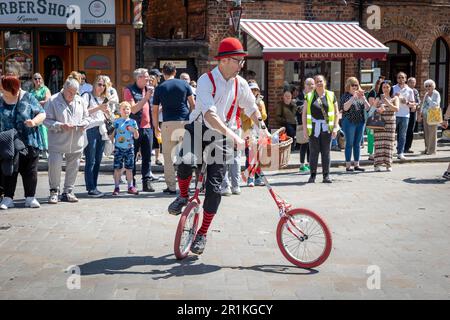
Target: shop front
{"x": 56, "y": 37}
{"x": 286, "y": 52}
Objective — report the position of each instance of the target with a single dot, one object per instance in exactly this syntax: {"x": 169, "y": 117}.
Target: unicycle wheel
{"x": 186, "y": 230}
{"x": 304, "y": 238}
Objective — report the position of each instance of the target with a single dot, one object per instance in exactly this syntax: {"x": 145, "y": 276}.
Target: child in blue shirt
{"x": 125, "y": 131}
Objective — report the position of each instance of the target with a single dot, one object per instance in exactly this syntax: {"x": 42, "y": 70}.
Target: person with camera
{"x": 387, "y": 105}
{"x": 138, "y": 95}
{"x": 353, "y": 103}
{"x": 407, "y": 105}
{"x": 320, "y": 113}
{"x": 97, "y": 103}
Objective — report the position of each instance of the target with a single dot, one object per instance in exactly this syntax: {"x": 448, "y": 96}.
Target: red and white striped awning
{"x": 310, "y": 40}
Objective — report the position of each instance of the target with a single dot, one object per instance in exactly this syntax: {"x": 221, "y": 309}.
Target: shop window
{"x": 96, "y": 39}
{"x": 439, "y": 68}
{"x": 52, "y": 38}
{"x": 20, "y": 64}
{"x": 255, "y": 70}
{"x": 17, "y": 41}
{"x": 297, "y": 72}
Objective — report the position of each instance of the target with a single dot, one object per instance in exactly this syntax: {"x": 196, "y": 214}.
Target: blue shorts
{"x": 123, "y": 156}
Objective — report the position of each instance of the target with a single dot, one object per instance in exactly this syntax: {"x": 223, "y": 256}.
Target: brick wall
{"x": 165, "y": 18}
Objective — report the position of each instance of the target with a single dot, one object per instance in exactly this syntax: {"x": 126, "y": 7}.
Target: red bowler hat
{"x": 230, "y": 47}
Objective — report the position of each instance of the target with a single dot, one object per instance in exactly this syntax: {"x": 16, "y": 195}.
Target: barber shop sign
{"x": 56, "y": 11}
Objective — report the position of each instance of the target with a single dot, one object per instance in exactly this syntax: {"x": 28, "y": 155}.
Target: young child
{"x": 125, "y": 129}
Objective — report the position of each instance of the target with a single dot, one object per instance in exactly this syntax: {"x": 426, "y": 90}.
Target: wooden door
{"x": 54, "y": 65}
{"x": 97, "y": 60}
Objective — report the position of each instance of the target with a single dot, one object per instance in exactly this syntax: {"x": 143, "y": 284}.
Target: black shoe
{"x": 326, "y": 179}
{"x": 349, "y": 169}
{"x": 409, "y": 151}
{"x": 177, "y": 205}
{"x": 198, "y": 246}
{"x": 312, "y": 179}
{"x": 360, "y": 169}
{"x": 167, "y": 190}
{"x": 147, "y": 186}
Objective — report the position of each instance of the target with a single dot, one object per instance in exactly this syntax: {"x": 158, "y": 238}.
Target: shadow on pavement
{"x": 186, "y": 267}
{"x": 425, "y": 181}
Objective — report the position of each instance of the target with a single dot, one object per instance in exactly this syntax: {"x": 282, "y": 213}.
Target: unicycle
{"x": 187, "y": 225}
{"x": 302, "y": 235}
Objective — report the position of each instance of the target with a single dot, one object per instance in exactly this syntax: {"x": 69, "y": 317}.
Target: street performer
{"x": 221, "y": 96}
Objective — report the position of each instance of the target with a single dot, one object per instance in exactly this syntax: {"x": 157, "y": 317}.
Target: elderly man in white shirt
{"x": 219, "y": 95}
{"x": 407, "y": 105}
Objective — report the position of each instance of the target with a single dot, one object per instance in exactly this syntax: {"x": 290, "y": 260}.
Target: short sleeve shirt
{"x": 172, "y": 95}
{"x": 123, "y": 136}
{"x": 13, "y": 117}
{"x": 356, "y": 112}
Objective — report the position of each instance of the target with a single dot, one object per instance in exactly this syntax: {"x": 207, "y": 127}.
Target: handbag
{"x": 300, "y": 137}
{"x": 434, "y": 116}
{"x": 109, "y": 126}
{"x": 375, "y": 122}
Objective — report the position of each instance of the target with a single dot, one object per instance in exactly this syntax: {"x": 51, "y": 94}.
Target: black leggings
{"x": 322, "y": 145}
{"x": 304, "y": 152}
{"x": 28, "y": 170}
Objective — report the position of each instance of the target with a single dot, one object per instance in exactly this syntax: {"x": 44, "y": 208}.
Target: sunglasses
{"x": 355, "y": 85}
{"x": 241, "y": 62}
{"x": 37, "y": 79}
{"x": 101, "y": 85}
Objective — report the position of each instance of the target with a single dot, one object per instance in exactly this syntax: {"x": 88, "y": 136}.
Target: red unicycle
{"x": 187, "y": 226}
{"x": 303, "y": 237}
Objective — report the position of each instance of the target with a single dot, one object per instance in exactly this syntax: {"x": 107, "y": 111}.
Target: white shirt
{"x": 408, "y": 94}
{"x": 224, "y": 96}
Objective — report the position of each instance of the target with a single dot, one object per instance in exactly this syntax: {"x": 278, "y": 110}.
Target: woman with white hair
{"x": 432, "y": 99}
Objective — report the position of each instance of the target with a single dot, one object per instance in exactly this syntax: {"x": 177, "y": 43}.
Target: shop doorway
{"x": 400, "y": 58}
{"x": 54, "y": 59}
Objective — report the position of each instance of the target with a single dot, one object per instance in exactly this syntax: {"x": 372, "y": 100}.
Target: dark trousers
{"x": 144, "y": 144}
{"x": 28, "y": 170}
{"x": 304, "y": 152}
{"x": 322, "y": 145}
{"x": 410, "y": 130}
{"x": 215, "y": 173}
{"x": 93, "y": 153}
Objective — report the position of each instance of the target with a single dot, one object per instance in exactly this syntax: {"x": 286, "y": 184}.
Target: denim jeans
{"x": 144, "y": 144}
{"x": 93, "y": 153}
{"x": 232, "y": 171}
{"x": 353, "y": 133}
{"x": 402, "y": 127}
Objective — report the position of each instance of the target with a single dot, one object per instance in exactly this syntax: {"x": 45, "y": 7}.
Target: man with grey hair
{"x": 138, "y": 95}
{"x": 67, "y": 118}
{"x": 412, "y": 116}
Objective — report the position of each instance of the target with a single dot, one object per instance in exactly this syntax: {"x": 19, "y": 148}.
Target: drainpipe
{"x": 360, "y": 20}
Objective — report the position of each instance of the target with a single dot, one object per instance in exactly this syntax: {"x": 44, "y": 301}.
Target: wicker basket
{"x": 268, "y": 159}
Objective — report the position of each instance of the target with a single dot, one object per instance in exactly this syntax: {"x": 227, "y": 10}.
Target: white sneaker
{"x": 236, "y": 190}
{"x": 31, "y": 202}
{"x": 401, "y": 157}
{"x": 226, "y": 192}
{"x": 389, "y": 169}
{"x": 377, "y": 168}
{"x": 6, "y": 203}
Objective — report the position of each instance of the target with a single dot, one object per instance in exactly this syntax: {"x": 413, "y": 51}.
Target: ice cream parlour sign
{"x": 57, "y": 12}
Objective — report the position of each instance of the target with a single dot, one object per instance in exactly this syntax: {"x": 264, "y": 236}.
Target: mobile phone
{"x": 105, "y": 100}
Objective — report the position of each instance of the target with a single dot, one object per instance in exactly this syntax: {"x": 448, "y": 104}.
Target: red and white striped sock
{"x": 183, "y": 184}
{"x": 207, "y": 219}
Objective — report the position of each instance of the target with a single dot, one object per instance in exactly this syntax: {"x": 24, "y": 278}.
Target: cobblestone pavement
{"x": 396, "y": 223}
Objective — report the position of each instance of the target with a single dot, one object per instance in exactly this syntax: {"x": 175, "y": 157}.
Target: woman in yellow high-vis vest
{"x": 320, "y": 113}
